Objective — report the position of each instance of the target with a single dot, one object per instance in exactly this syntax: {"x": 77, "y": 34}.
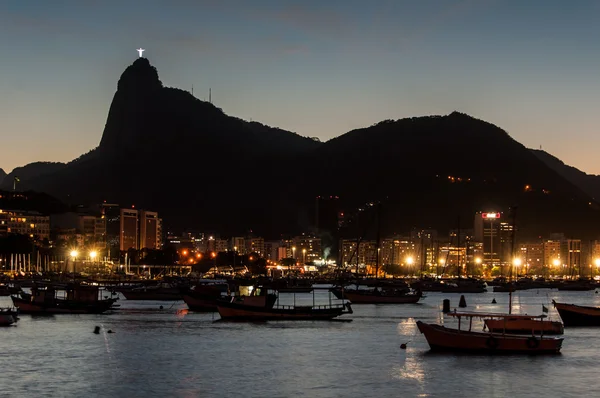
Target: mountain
{"x": 29, "y": 172}
{"x": 588, "y": 183}
{"x": 2, "y": 175}
{"x": 438, "y": 171}
{"x": 163, "y": 149}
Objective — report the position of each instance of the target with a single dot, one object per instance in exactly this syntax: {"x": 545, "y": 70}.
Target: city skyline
{"x": 316, "y": 69}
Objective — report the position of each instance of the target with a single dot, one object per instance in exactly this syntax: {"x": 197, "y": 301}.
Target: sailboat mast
{"x": 378, "y": 240}
{"x": 512, "y": 253}
{"x": 458, "y": 249}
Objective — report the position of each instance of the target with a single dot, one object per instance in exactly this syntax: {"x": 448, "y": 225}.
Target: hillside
{"x": 429, "y": 171}
{"x": 165, "y": 150}
{"x": 589, "y": 183}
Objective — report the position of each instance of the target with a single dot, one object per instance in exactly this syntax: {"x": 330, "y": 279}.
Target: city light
{"x": 93, "y": 254}
{"x": 517, "y": 262}
{"x": 442, "y": 261}
{"x": 597, "y": 262}
{"x": 477, "y": 260}
{"x": 556, "y": 262}
{"x": 198, "y": 255}
{"x": 213, "y": 254}
{"x": 410, "y": 260}
{"x": 74, "y": 253}
{"x": 184, "y": 252}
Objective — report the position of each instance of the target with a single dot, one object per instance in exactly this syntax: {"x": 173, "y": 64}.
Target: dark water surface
{"x": 171, "y": 352}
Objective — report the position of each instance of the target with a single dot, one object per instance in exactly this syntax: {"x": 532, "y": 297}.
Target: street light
{"x": 410, "y": 260}
{"x": 517, "y": 262}
{"x": 478, "y": 260}
{"x": 303, "y": 256}
{"x": 294, "y": 252}
{"x": 556, "y": 262}
{"x": 93, "y": 254}
{"x": 74, "y": 254}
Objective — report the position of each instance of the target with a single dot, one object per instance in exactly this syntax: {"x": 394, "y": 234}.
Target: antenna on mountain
{"x": 540, "y": 147}
{"x": 192, "y": 89}
{"x": 209, "y": 95}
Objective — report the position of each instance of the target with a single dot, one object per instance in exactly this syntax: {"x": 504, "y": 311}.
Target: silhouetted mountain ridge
{"x": 589, "y": 183}
{"x": 164, "y": 149}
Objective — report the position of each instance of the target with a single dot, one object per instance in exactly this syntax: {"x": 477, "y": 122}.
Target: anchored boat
{"x": 242, "y": 310}
{"x": 578, "y": 315}
{"x": 441, "y": 338}
{"x": 69, "y": 299}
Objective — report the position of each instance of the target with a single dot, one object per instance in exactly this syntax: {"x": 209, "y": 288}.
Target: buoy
{"x": 493, "y": 301}
{"x": 596, "y": 292}
{"x": 446, "y": 306}
{"x": 97, "y": 330}
{"x": 403, "y": 346}
{"x": 110, "y": 331}
{"x": 462, "y": 303}
{"x": 161, "y": 307}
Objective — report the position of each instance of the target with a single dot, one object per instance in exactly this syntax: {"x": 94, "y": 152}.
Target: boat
{"x": 387, "y": 295}
{"x": 163, "y": 291}
{"x": 523, "y": 324}
{"x": 464, "y": 285}
{"x": 577, "y": 315}
{"x": 204, "y": 297}
{"x": 441, "y": 338}
{"x": 76, "y": 299}
{"x": 6, "y": 290}
{"x": 577, "y": 286}
{"x": 242, "y": 310}
{"x": 8, "y": 316}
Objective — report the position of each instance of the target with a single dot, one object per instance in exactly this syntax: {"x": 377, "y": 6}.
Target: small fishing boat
{"x": 8, "y": 316}
{"x": 377, "y": 296}
{"x": 6, "y": 290}
{"x": 577, "y": 315}
{"x": 163, "y": 291}
{"x": 204, "y": 297}
{"x": 441, "y": 338}
{"x": 75, "y": 299}
{"x": 243, "y": 310}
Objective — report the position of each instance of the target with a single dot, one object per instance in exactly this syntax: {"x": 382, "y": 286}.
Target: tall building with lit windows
{"x": 129, "y": 231}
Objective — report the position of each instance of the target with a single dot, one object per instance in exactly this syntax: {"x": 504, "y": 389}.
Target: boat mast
{"x": 458, "y": 249}
{"x": 512, "y": 253}
{"x": 378, "y": 248}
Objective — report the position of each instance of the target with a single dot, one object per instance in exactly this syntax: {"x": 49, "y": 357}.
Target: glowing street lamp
{"x": 410, "y": 260}
{"x": 556, "y": 262}
{"x": 517, "y": 262}
{"x": 294, "y": 252}
{"x": 74, "y": 253}
{"x": 303, "y": 256}
{"x": 477, "y": 260}
{"x": 93, "y": 254}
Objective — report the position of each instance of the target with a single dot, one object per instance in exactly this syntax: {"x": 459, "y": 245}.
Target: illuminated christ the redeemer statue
{"x": 140, "y": 51}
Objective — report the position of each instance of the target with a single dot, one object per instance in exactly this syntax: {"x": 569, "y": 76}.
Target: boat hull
{"x": 441, "y": 338}
{"x": 360, "y": 298}
{"x": 243, "y": 312}
{"x": 8, "y": 317}
{"x": 64, "y": 307}
{"x": 150, "y": 295}
{"x": 524, "y": 326}
{"x": 575, "y": 315}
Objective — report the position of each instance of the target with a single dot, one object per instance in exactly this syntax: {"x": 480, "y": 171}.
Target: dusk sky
{"x": 318, "y": 68}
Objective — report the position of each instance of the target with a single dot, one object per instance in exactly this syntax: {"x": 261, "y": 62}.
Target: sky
{"x": 318, "y": 68}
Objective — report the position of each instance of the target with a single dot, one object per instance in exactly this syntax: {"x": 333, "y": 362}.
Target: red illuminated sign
{"x": 489, "y": 216}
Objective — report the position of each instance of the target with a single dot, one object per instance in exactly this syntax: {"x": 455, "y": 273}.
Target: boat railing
{"x": 314, "y": 307}
{"x": 492, "y": 315}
